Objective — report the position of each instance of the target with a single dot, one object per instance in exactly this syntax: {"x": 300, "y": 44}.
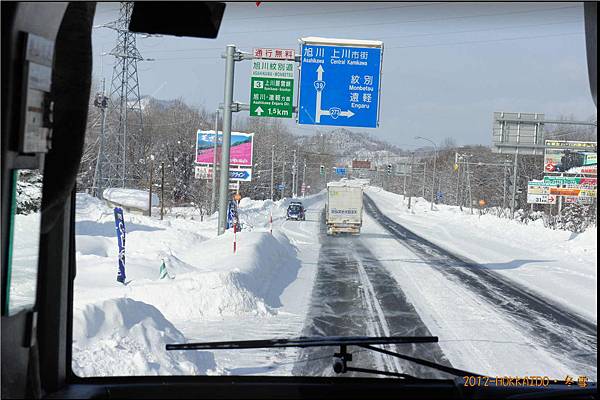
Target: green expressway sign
{"x": 272, "y": 87}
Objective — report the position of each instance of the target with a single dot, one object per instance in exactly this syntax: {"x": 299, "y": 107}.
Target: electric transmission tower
{"x": 120, "y": 151}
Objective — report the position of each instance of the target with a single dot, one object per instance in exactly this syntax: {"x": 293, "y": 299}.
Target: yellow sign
{"x": 456, "y": 167}
{"x": 481, "y": 203}
{"x": 237, "y": 197}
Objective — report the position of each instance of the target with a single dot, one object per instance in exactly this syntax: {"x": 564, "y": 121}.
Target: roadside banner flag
{"x": 163, "y": 273}
{"x": 120, "y": 227}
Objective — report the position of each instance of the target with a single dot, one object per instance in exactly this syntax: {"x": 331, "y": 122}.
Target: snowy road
{"x": 354, "y": 295}
{"x": 564, "y": 335}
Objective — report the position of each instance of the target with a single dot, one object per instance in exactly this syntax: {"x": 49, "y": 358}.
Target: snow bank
{"x": 559, "y": 265}
{"x": 126, "y": 337}
{"x": 130, "y": 198}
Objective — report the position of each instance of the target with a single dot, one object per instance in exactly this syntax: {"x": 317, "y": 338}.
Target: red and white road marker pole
{"x": 271, "y": 222}
{"x": 234, "y": 237}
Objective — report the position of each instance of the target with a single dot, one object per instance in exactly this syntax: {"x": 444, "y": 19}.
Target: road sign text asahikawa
{"x": 340, "y": 82}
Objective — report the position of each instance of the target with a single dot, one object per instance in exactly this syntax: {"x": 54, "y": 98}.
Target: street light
{"x": 434, "y": 162}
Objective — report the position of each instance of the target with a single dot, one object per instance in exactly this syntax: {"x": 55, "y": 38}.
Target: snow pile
{"x": 127, "y": 337}
{"x": 130, "y": 198}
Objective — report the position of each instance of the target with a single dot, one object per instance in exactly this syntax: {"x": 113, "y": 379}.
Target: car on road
{"x": 295, "y": 211}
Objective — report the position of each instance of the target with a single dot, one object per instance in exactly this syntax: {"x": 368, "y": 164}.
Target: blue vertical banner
{"x": 231, "y": 214}
{"x": 120, "y": 226}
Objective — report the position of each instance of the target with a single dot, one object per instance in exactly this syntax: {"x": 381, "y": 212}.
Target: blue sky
{"x": 446, "y": 67}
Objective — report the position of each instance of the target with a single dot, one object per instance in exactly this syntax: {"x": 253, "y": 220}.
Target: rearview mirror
{"x": 178, "y": 18}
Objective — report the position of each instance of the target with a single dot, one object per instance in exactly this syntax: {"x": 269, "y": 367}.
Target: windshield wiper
{"x": 341, "y": 359}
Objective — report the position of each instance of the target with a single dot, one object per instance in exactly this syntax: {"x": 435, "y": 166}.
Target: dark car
{"x": 295, "y": 211}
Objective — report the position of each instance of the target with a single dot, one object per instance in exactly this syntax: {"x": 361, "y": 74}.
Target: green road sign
{"x": 271, "y": 97}
{"x": 272, "y": 88}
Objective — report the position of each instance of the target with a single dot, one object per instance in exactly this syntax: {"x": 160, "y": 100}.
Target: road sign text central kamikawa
{"x": 340, "y": 82}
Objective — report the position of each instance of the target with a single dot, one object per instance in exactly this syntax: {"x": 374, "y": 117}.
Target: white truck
{"x": 343, "y": 211}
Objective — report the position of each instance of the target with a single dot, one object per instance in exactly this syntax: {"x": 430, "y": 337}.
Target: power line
{"x": 415, "y": 46}
{"x": 393, "y": 36}
{"x": 339, "y": 12}
{"x": 487, "y": 41}
{"x": 411, "y": 21}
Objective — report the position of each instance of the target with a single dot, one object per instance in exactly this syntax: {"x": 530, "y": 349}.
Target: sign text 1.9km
{"x": 272, "y": 83}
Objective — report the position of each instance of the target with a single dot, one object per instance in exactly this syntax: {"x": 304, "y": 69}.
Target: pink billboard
{"x": 240, "y": 153}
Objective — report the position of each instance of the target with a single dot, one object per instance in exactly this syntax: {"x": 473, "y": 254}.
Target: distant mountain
{"x": 347, "y": 145}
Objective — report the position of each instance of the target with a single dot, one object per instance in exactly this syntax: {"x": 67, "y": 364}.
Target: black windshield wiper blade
{"x": 341, "y": 359}
{"x": 318, "y": 341}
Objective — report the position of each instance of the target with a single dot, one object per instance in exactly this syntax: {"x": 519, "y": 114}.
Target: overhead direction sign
{"x": 272, "y": 83}
{"x": 340, "y": 82}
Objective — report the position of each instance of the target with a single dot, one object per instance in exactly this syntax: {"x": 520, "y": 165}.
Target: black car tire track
{"x": 339, "y": 307}
{"x": 566, "y": 334}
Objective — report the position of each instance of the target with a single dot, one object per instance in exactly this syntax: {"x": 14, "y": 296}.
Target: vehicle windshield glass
{"x": 380, "y": 170}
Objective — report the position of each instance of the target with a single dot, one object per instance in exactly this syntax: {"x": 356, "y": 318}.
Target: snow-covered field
{"x": 556, "y": 264}
{"x": 264, "y": 289}
{"x": 211, "y": 293}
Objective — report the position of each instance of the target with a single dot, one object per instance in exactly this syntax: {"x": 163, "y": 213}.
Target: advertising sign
{"x": 361, "y": 164}
{"x": 272, "y": 83}
{"x": 240, "y": 153}
{"x": 571, "y": 157}
{"x": 240, "y": 174}
{"x": 203, "y": 172}
{"x": 340, "y": 82}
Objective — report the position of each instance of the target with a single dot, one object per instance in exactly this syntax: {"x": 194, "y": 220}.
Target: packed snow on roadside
{"x": 206, "y": 283}
{"x": 130, "y": 198}
{"x": 558, "y": 265}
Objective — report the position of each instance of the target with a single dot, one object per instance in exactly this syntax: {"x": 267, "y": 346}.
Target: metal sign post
{"x": 227, "y": 114}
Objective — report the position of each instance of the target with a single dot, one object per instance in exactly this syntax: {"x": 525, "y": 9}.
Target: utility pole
{"x": 102, "y": 103}
{"x": 162, "y": 189}
{"x": 213, "y": 195}
{"x": 304, "y": 178}
{"x": 514, "y": 188}
{"x": 230, "y": 54}
{"x": 469, "y": 186}
{"x": 272, "y": 169}
{"x": 504, "y": 191}
{"x": 283, "y": 179}
{"x": 150, "y": 185}
{"x": 434, "y": 162}
{"x": 294, "y": 167}
{"x": 424, "y": 170}
{"x": 412, "y": 160}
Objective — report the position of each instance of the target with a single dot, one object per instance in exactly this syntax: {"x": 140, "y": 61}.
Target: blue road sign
{"x": 340, "y": 85}
{"x": 281, "y": 186}
{"x": 240, "y": 175}
{"x": 340, "y": 171}
{"x": 439, "y": 195}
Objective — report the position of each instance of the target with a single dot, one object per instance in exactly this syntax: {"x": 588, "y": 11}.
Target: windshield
{"x": 445, "y": 157}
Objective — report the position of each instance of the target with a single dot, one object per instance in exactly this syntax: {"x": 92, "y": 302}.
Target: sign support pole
{"x": 272, "y": 169}
{"x": 230, "y": 53}
{"x": 412, "y": 160}
{"x": 514, "y": 188}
